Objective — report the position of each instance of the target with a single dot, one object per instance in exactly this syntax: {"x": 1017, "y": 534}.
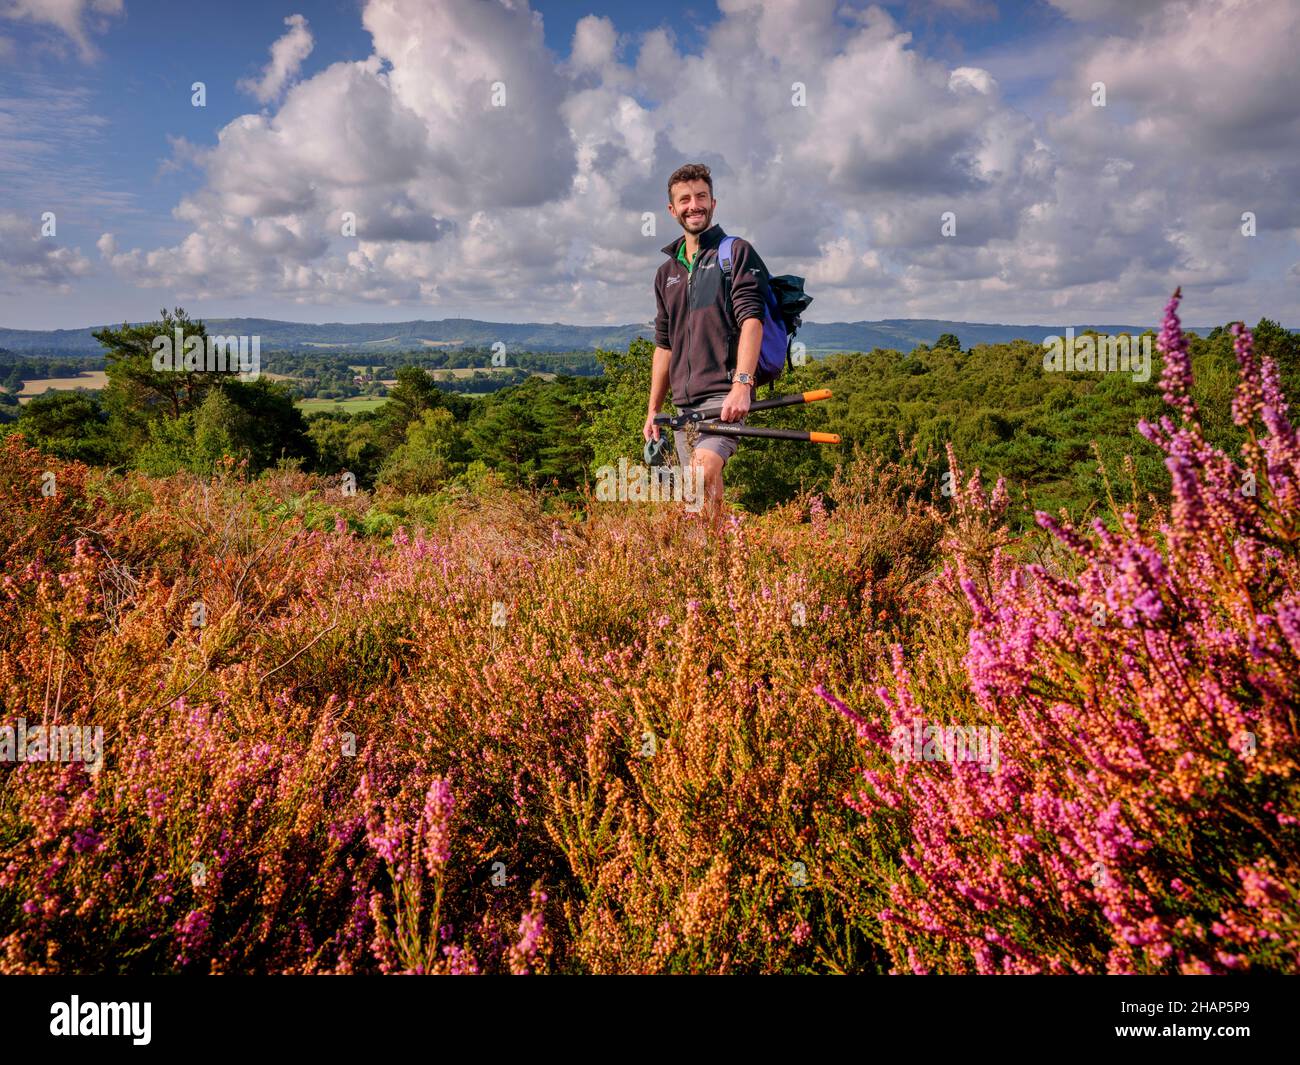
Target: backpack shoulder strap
{"x": 724, "y": 254}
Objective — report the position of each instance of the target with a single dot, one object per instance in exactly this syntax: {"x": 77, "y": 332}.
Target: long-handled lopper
{"x": 705, "y": 421}
{"x": 728, "y": 429}
{"x": 680, "y": 421}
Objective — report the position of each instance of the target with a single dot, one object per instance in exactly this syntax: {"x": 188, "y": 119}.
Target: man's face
{"x": 692, "y": 205}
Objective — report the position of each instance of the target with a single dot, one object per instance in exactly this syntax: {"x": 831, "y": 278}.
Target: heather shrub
{"x": 1143, "y": 817}
{"x": 506, "y": 740}
{"x": 483, "y": 731}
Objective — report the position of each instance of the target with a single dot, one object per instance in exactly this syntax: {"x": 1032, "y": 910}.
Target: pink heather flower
{"x": 983, "y": 615}
{"x": 866, "y": 730}
{"x": 85, "y": 839}
{"x": 1249, "y": 399}
{"x": 1176, "y": 374}
{"x": 817, "y": 514}
{"x": 530, "y": 930}
{"x": 386, "y": 839}
{"x": 1189, "y": 511}
{"x": 192, "y": 933}
{"x": 1260, "y": 888}
{"x": 1001, "y": 498}
{"x": 439, "y": 803}
{"x": 1066, "y": 535}
{"x": 459, "y": 963}
{"x": 523, "y": 955}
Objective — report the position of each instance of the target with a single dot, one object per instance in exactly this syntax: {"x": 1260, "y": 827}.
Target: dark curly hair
{"x": 690, "y": 172}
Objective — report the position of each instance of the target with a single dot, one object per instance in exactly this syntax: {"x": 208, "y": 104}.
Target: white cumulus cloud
{"x": 462, "y": 168}
{"x": 287, "y": 55}
{"x": 27, "y": 257}
{"x": 78, "y": 19}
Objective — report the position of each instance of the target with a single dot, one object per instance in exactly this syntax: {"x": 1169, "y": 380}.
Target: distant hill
{"x": 902, "y": 334}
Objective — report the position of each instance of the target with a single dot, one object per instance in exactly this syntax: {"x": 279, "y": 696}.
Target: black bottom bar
{"x": 1037, "y": 1018}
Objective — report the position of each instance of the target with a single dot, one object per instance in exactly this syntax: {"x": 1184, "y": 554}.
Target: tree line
{"x": 1004, "y": 413}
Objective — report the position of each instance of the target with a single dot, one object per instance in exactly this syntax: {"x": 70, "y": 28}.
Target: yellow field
{"x": 471, "y": 371}
{"x": 39, "y": 386}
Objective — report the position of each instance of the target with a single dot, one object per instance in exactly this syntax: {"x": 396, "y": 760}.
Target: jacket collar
{"x": 710, "y": 238}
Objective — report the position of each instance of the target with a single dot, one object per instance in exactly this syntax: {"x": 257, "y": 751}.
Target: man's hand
{"x": 736, "y": 405}
{"x": 650, "y": 431}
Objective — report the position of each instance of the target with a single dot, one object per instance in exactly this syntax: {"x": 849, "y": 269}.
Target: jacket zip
{"x": 690, "y": 304}
{"x": 691, "y": 310}
{"x": 690, "y": 298}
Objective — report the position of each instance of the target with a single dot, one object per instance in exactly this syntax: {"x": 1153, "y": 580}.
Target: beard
{"x": 697, "y": 225}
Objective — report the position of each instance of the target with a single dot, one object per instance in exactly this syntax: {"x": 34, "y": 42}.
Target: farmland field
{"x": 346, "y": 406}
{"x": 461, "y": 372}
{"x": 91, "y": 380}
{"x": 457, "y": 372}
{"x": 88, "y": 379}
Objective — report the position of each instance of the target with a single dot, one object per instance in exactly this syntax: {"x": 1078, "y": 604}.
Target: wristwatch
{"x": 742, "y": 379}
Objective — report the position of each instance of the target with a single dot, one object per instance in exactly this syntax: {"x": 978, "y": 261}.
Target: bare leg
{"x": 709, "y": 468}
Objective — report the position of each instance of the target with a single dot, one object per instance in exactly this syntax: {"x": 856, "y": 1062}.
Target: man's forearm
{"x": 659, "y": 379}
{"x": 751, "y": 340}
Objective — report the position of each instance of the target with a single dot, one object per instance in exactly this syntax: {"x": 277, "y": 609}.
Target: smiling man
{"x": 707, "y": 332}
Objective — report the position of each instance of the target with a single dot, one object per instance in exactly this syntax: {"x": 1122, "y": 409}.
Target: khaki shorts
{"x": 722, "y": 446}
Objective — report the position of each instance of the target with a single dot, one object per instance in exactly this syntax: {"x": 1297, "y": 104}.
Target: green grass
{"x": 347, "y": 406}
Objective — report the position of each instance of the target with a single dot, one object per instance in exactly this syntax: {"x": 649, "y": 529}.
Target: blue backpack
{"x": 782, "y": 316}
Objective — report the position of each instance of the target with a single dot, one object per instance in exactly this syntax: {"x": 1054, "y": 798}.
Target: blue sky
{"x": 1065, "y": 211}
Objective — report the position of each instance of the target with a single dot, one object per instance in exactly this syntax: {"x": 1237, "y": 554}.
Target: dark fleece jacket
{"x": 695, "y": 321}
